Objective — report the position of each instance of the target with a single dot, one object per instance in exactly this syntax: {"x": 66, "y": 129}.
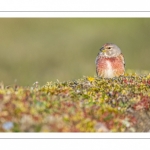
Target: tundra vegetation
{"x": 89, "y": 104}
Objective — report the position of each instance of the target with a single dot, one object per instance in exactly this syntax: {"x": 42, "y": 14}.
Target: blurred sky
{"x": 47, "y": 49}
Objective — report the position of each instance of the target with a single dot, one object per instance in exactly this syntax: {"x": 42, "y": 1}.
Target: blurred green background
{"x": 47, "y": 49}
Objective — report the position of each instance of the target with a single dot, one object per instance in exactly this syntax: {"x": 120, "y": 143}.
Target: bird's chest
{"x": 107, "y": 66}
{"x": 109, "y": 70}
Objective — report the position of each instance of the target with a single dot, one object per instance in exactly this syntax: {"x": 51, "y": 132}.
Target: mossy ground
{"x": 88, "y": 104}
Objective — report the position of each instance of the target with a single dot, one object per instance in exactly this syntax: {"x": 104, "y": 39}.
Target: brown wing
{"x": 96, "y": 58}
{"x": 96, "y": 62}
{"x": 122, "y": 58}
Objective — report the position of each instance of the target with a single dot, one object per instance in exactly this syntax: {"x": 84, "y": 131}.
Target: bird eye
{"x": 109, "y": 47}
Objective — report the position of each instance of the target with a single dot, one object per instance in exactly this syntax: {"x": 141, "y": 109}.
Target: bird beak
{"x": 103, "y": 50}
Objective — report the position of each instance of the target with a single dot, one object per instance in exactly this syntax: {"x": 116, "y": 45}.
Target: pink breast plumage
{"x": 116, "y": 64}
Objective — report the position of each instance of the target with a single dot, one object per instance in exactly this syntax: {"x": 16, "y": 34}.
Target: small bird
{"x": 110, "y": 61}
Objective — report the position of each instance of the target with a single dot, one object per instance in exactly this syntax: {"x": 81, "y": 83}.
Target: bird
{"x": 110, "y": 61}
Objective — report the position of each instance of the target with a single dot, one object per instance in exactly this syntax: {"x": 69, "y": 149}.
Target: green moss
{"x": 88, "y": 104}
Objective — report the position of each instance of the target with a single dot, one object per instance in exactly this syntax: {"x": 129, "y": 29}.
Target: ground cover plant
{"x": 89, "y": 104}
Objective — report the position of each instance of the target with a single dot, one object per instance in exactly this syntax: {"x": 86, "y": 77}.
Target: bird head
{"x": 110, "y": 50}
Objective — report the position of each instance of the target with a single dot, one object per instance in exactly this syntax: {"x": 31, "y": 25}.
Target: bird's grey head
{"x": 110, "y": 50}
